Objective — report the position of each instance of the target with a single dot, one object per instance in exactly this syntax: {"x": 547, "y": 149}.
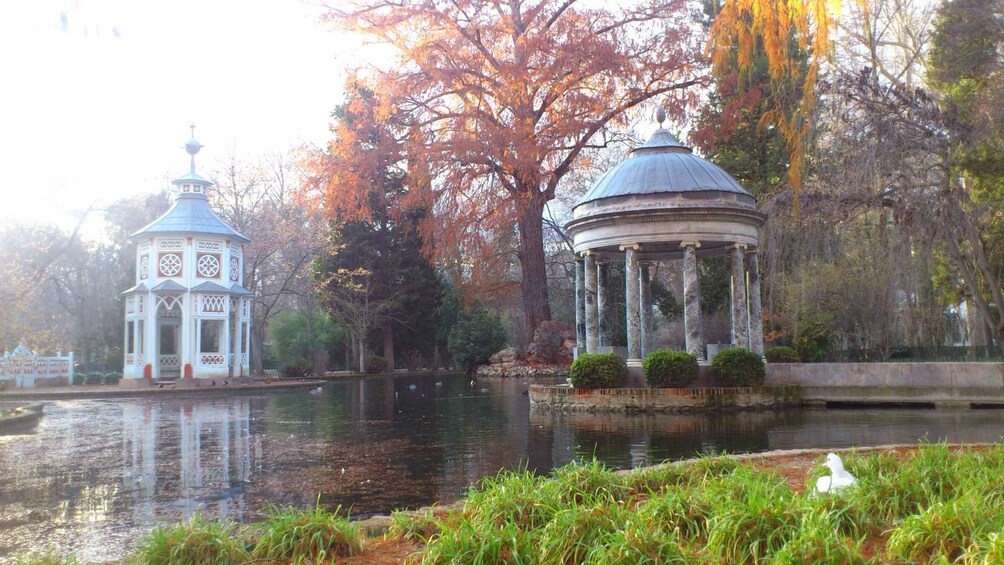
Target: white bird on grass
{"x": 838, "y": 479}
{"x": 316, "y": 390}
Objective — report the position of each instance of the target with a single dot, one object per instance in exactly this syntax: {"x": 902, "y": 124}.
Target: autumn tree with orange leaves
{"x": 744, "y": 30}
{"x": 501, "y": 98}
{"x": 372, "y": 272}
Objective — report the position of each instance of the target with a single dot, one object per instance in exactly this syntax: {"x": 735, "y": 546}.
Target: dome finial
{"x": 192, "y": 147}
{"x": 660, "y": 116}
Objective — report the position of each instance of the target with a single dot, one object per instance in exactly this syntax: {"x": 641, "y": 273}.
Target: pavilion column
{"x": 236, "y": 338}
{"x": 756, "y": 310}
{"x": 740, "y": 317}
{"x": 189, "y": 333}
{"x": 631, "y": 278}
{"x": 646, "y": 307}
{"x": 247, "y": 313}
{"x": 603, "y": 303}
{"x": 580, "y": 305}
{"x": 692, "y": 300}
{"x": 151, "y": 349}
{"x": 592, "y": 325}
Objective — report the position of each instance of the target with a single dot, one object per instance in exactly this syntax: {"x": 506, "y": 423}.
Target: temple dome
{"x": 660, "y": 197}
{"x": 664, "y": 165}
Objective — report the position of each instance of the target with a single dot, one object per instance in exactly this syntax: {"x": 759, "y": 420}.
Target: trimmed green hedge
{"x": 598, "y": 370}
{"x": 670, "y": 369}
{"x": 738, "y": 367}
{"x": 781, "y": 354}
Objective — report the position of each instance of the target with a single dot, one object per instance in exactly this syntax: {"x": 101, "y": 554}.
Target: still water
{"x": 95, "y": 475}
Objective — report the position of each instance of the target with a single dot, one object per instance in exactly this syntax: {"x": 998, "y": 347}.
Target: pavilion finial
{"x": 193, "y": 147}
{"x": 660, "y": 116}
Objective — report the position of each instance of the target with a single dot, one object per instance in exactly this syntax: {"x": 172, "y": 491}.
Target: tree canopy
{"x": 503, "y": 97}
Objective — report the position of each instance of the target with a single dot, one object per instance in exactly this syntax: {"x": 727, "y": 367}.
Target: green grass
{"x": 199, "y": 541}
{"x": 934, "y": 505}
{"x": 414, "y": 526}
{"x": 47, "y": 556}
{"x": 306, "y": 536}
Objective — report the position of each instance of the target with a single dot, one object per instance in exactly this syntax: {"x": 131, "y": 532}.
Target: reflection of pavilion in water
{"x": 644, "y": 439}
{"x": 204, "y": 460}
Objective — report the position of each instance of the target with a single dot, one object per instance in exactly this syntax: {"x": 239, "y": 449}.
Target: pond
{"x": 95, "y": 475}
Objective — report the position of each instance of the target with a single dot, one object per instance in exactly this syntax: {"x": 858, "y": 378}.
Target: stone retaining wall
{"x": 667, "y": 400}
{"x": 948, "y": 375}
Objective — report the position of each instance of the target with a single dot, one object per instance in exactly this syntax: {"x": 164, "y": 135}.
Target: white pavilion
{"x": 188, "y": 317}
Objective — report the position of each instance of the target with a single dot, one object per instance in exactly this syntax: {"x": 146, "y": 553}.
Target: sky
{"x": 98, "y": 95}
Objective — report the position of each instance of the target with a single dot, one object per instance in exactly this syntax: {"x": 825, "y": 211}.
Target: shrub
{"x": 376, "y": 364}
{"x": 304, "y": 337}
{"x": 738, "y": 367}
{"x": 197, "y": 541}
{"x": 670, "y": 369}
{"x": 307, "y": 536}
{"x": 112, "y": 378}
{"x": 814, "y": 337}
{"x": 295, "y": 369}
{"x": 598, "y": 370}
{"x": 474, "y": 338}
{"x": 781, "y": 354}
{"x": 94, "y": 378}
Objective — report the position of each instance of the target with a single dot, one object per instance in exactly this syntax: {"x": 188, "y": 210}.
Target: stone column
{"x": 603, "y": 302}
{"x": 740, "y": 319}
{"x": 592, "y": 327}
{"x": 692, "y": 300}
{"x": 646, "y": 307}
{"x": 580, "y": 305}
{"x": 631, "y": 298}
{"x": 756, "y": 310}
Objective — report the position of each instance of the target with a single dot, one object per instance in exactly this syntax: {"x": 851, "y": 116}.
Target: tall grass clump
{"x": 933, "y": 505}
{"x": 587, "y": 483}
{"x": 306, "y": 536}
{"x": 47, "y": 556}
{"x": 945, "y": 529}
{"x": 478, "y": 544}
{"x": 199, "y": 541}
{"x": 680, "y": 511}
{"x": 753, "y": 514}
{"x": 817, "y": 540}
{"x": 511, "y": 497}
{"x": 414, "y": 526}
{"x": 637, "y": 543}
{"x": 686, "y": 473}
{"x": 574, "y": 531}
{"x": 984, "y": 550}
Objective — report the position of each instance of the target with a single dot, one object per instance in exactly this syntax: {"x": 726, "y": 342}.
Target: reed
{"x": 306, "y": 536}
{"x": 199, "y": 541}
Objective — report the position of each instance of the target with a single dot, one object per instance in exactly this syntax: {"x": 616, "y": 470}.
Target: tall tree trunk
{"x": 361, "y": 345}
{"x": 536, "y": 305}
{"x": 388, "y": 344}
{"x": 258, "y": 348}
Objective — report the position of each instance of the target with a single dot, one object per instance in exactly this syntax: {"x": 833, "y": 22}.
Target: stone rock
{"x": 550, "y": 342}
{"x": 522, "y": 371}
{"x": 505, "y": 357}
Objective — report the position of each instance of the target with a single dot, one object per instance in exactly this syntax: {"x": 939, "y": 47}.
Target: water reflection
{"x": 94, "y": 476}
